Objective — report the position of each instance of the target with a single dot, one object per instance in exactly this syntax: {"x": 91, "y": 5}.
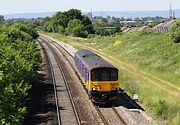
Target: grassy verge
{"x": 149, "y": 65}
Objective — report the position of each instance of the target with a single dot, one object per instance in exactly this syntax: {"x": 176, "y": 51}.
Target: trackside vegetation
{"x": 71, "y": 22}
{"x": 149, "y": 66}
{"x": 19, "y": 61}
{"x": 175, "y": 32}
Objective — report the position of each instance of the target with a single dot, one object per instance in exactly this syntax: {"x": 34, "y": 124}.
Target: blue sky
{"x": 28, "y": 6}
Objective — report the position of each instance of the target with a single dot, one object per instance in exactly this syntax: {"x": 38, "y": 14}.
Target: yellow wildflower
{"x": 117, "y": 43}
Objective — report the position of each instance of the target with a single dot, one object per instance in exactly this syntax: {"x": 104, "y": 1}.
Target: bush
{"x": 146, "y": 32}
{"x": 162, "y": 109}
{"x": 175, "y": 36}
{"x": 19, "y": 61}
{"x": 175, "y": 32}
{"x": 101, "y": 31}
{"x": 62, "y": 21}
{"x": 60, "y": 29}
{"x": 76, "y": 28}
{"x": 27, "y": 29}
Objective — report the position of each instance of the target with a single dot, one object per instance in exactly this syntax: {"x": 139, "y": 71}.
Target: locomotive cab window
{"x": 104, "y": 74}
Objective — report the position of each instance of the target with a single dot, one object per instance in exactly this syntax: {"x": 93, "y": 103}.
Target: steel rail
{"x": 53, "y": 42}
{"x": 54, "y": 87}
{"x": 65, "y": 81}
{"x": 119, "y": 116}
{"x": 101, "y": 115}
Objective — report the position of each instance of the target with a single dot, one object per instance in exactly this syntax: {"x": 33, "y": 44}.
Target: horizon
{"x": 125, "y": 14}
{"x": 33, "y": 6}
{"x": 84, "y": 11}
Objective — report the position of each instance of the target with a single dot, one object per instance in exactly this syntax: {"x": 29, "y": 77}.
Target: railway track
{"x": 102, "y": 116}
{"x": 110, "y": 116}
{"x": 69, "y": 52}
{"x": 65, "y": 107}
{"x": 100, "y": 111}
{"x": 66, "y": 52}
{"x": 119, "y": 116}
{"x": 106, "y": 115}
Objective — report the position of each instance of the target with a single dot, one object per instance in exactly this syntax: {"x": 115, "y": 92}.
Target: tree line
{"x": 71, "y": 22}
{"x": 19, "y": 61}
{"x": 1, "y": 19}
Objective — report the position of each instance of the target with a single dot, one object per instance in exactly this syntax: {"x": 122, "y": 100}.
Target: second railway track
{"x": 65, "y": 107}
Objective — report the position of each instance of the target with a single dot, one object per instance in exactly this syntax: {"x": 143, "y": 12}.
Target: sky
{"x": 32, "y": 6}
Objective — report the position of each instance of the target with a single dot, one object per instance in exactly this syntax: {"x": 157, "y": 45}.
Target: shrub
{"x": 175, "y": 36}
{"x": 76, "y": 28}
{"x": 175, "y": 32}
{"x": 146, "y": 32}
{"x": 81, "y": 25}
{"x": 19, "y": 61}
{"x": 162, "y": 109}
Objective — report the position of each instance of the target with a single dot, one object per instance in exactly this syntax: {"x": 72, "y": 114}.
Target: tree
{"x": 62, "y": 21}
{"x": 63, "y": 18}
{"x": 74, "y": 14}
{"x": 76, "y": 28}
{"x": 37, "y": 23}
{"x": 88, "y": 25}
{"x": 19, "y": 61}
{"x": 60, "y": 18}
{"x": 4, "y": 27}
{"x": 47, "y": 27}
{"x": 27, "y": 29}
{"x": 175, "y": 32}
{"x": 1, "y": 19}
{"x": 60, "y": 29}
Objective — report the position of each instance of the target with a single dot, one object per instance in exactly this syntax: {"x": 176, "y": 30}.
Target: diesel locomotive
{"x": 100, "y": 77}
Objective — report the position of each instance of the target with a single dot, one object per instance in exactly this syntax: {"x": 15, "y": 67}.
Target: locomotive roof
{"x": 92, "y": 60}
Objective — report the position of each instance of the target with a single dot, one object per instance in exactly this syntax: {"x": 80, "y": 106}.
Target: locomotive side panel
{"x": 82, "y": 69}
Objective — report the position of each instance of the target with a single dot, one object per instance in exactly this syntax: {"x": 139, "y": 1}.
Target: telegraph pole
{"x": 170, "y": 12}
{"x": 101, "y": 8}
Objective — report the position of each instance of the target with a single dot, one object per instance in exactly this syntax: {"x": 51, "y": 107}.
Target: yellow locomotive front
{"x": 103, "y": 84}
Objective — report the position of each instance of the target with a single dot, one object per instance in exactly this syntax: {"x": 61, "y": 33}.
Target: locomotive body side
{"x": 100, "y": 77}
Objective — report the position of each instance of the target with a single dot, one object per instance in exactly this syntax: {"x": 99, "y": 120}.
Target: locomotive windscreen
{"x": 104, "y": 74}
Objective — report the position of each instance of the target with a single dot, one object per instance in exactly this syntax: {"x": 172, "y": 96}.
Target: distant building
{"x": 164, "y": 27}
{"x": 128, "y": 22}
{"x": 88, "y": 15}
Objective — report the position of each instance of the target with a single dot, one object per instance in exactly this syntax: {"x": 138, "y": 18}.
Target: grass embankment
{"x": 149, "y": 65}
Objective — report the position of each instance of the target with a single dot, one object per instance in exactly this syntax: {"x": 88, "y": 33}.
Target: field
{"x": 149, "y": 65}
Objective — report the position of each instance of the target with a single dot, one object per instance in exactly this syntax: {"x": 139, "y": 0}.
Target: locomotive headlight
{"x": 114, "y": 88}
{"x": 94, "y": 89}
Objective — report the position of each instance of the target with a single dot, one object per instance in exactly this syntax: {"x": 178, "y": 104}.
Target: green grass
{"x": 149, "y": 65}
{"x": 153, "y": 53}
